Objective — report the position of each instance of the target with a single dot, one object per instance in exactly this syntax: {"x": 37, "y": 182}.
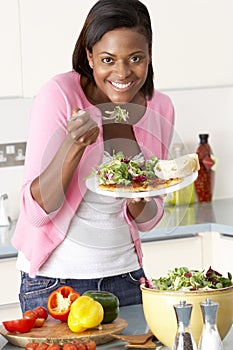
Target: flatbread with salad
{"x": 122, "y": 174}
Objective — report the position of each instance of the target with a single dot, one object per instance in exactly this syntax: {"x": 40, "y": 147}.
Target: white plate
{"x": 92, "y": 185}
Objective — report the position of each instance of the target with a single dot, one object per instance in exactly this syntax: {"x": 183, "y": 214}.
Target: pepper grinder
{"x": 184, "y": 339}
{"x": 210, "y": 338}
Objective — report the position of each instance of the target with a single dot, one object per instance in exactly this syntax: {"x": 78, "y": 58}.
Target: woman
{"x": 65, "y": 233}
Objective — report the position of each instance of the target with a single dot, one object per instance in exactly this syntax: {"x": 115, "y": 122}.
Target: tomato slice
{"x": 59, "y": 302}
{"x": 22, "y": 325}
{"x": 30, "y": 314}
{"x": 9, "y": 326}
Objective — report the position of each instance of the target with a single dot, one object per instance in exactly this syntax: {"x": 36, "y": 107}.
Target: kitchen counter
{"x": 177, "y": 222}
{"x": 6, "y": 249}
{"x": 136, "y": 325}
{"x": 186, "y": 221}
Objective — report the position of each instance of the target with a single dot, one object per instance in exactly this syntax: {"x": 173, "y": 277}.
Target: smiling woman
{"x": 119, "y": 74}
{"x": 66, "y": 233}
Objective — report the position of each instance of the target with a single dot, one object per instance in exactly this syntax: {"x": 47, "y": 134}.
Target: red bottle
{"x": 205, "y": 181}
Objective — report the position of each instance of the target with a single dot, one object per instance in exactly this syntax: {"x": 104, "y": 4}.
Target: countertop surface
{"x": 136, "y": 325}
{"x": 177, "y": 222}
{"x": 6, "y": 249}
{"x": 185, "y": 221}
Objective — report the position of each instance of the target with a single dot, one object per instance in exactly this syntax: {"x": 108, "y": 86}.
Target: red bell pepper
{"x": 59, "y": 302}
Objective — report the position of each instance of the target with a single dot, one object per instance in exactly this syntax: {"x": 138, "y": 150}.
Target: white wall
{"x": 14, "y": 116}
{"x": 208, "y": 110}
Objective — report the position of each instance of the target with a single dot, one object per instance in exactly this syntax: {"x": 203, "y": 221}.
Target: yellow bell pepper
{"x": 85, "y": 313}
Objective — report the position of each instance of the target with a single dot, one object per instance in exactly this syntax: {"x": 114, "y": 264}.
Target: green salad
{"x": 184, "y": 279}
{"x": 119, "y": 114}
{"x": 121, "y": 170}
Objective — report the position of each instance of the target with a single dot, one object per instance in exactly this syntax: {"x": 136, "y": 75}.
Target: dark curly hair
{"x": 105, "y": 16}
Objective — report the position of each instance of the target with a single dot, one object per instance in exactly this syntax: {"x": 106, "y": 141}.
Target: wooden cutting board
{"x": 56, "y": 330}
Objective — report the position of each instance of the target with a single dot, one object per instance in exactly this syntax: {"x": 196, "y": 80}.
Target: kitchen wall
{"x": 14, "y": 116}
{"x": 193, "y": 55}
{"x": 208, "y": 110}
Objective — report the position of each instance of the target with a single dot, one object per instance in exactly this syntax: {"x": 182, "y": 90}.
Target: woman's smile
{"x": 121, "y": 86}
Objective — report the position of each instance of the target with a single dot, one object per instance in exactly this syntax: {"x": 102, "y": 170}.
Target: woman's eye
{"x": 107, "y": 60}
{"x": 135, "y": 59}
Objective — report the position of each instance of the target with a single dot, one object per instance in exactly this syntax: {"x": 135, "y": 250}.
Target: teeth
{"x": 121, "y": 86}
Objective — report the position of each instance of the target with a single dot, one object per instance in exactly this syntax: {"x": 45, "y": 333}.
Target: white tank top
{"x": 98, "y": 243}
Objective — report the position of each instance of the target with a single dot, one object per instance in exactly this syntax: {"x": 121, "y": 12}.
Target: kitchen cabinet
{"x": 10, "y": 312}
{"x": 10, "y": 58}
{"x": 161, "y": 256}
{"x": 199, "y": 252}
{"x": 10, "y": 281}
{"x": 192, "y": 43}
{"x": 183, "y": 58}
{"x": 33, "y": 50}
{"x": 222, "y": 253}
{"x": 217, "y": 251}
{"x": 47, "y": 45}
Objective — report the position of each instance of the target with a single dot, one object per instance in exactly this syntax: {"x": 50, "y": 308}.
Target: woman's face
{"x": 120, "y": 64}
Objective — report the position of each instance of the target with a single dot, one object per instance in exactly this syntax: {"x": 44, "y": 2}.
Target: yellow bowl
{"x": 160, "y": 314}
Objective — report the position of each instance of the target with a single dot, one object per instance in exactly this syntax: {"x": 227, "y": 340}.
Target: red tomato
{"x": 22, "y": 325}
{"x": 54, "y": 347}
{"x": 90, "y": 344}
{"x": 41, "y": 312}
{"x": 79, "y": 345}
{"x": 31, "y": 346}
{"x": 42, "y": 346}
{"x": 30, "y": 314}
{"x": 69, "y": 346}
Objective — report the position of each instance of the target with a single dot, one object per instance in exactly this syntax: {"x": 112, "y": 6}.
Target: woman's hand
{"x": 142, "y": 209}
{"x": 82, "y": 129}
{"x": 138, "y": 199}
{"x": 50, "y": 187}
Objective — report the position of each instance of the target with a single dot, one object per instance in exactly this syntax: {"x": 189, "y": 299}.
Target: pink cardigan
{"x": 37, "y": 233}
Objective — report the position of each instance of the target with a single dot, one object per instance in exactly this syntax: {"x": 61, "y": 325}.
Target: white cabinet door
{"x": 221, "y": 253}
{"x": 10, "y": 57}
{"x": 161, "y": 256}
{"x": 37, "y": 39}
{"x": 10, "y": 312}
{"x": 10, "y": 280}
{"x": 49, "y": 33}
{"x": 192, "y": 43}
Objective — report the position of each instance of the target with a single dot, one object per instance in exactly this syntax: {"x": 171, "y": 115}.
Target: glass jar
{"x": 185, "y": 195}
